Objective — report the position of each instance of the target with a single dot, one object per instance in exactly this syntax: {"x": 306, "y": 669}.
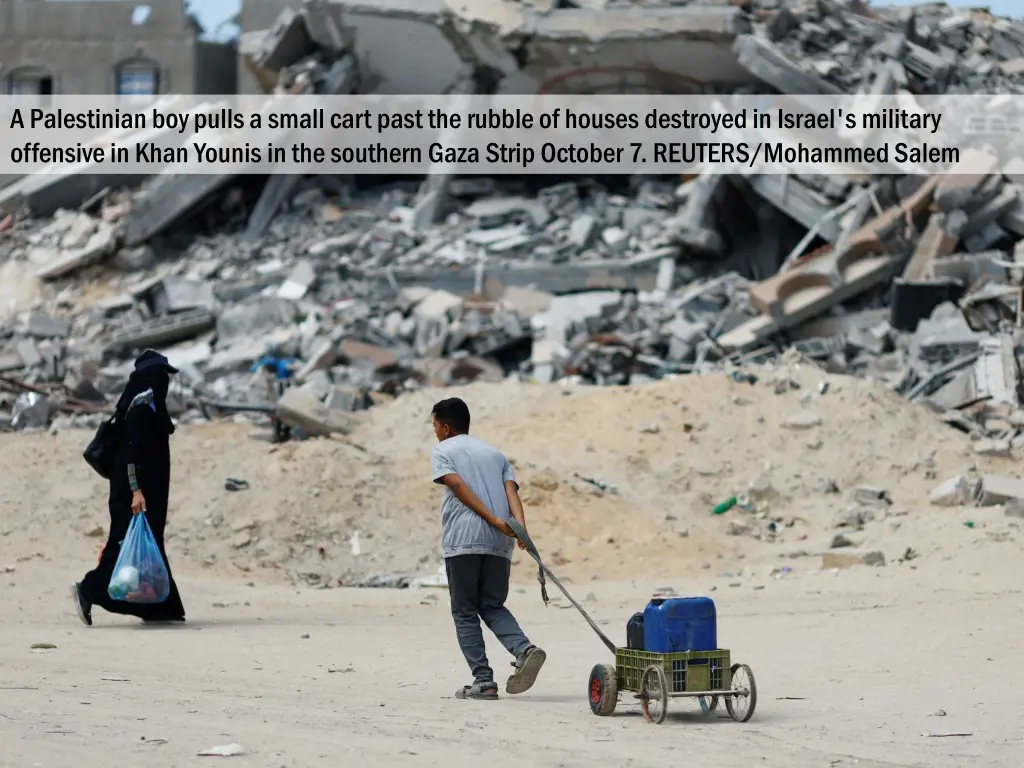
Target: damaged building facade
{"x": 109, "y": 46}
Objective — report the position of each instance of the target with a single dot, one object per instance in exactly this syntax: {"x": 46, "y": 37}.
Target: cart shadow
{"x": 699, "y": 718}
{"x": 549, "y": 698}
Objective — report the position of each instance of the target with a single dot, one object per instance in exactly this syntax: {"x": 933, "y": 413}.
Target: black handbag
{"x": 100, "y": 452}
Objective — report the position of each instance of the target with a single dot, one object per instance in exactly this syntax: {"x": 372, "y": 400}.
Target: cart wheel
{"x": 708, "y": 704}
{"x": 742, "y": 703}
{"x": 654, "y": 694}
{"x": 603, "y": 689}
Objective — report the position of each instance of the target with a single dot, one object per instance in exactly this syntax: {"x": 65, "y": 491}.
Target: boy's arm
{"x": 515, "y": 505}
{"x": 465, "y": 494}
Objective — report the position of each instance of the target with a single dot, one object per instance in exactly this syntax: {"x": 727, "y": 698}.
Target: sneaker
{"x": 527, "y": 667}
{"x": 481, "y": 689}
{"x": 82, "y": 606}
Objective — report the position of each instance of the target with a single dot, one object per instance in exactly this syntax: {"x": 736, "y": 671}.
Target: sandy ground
{"x": 854, "y": 667}
{"x": 611, "y": 479}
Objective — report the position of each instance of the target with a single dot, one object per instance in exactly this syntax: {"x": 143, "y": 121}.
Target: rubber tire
{"x": 708, "y": 704}
{"x": 603, "y": 690}
{"x": 751, "y": 698}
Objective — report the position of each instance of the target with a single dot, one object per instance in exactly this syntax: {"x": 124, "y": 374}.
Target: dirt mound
{"x": 618, "y": 482}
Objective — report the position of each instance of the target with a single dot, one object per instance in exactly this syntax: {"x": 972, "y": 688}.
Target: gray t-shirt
{"x": 485, "y": 470}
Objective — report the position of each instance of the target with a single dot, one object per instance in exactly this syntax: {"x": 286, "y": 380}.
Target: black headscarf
{"x": 152, "y": 371}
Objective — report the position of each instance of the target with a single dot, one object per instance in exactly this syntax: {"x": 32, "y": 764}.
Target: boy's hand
{"x": 504, "y": 527}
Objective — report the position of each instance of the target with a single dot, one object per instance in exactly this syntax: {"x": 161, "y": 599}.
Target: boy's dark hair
{"x": 454, "y": 413}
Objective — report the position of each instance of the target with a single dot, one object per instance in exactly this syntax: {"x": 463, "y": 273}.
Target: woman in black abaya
{"x": 140, "y": 481}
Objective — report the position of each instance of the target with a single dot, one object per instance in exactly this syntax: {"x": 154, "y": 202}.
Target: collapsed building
{"x": 376, "y": 288}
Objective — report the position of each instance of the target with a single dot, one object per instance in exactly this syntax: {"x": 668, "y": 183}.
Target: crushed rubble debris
{"x": 299, "y": 301}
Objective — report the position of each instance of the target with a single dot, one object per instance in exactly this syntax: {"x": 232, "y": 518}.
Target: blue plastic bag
{"x": 140, "y": 573}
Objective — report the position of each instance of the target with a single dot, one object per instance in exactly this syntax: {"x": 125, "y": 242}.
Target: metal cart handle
{"x": 531, "y": 548}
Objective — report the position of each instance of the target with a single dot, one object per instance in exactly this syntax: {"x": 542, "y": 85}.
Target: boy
{"x": 481, "y": 493}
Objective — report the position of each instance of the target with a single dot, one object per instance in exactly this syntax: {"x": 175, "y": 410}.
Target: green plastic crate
{"x": 685, "y": 672}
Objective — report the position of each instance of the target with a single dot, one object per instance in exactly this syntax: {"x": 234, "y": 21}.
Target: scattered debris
{"x": 846, "y": 558}
{"x": 225, "y": 750}
{"x": 954, "y": 492}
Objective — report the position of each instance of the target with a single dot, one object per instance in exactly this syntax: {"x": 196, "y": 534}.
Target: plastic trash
{"x": 725, "y": 506}
{"x": 140, "y": 573}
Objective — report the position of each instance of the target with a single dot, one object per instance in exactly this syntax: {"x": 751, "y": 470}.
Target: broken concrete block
{"x": 83, "y": 226}
{"x": 989, "y": 447}
{"x": 849, "y": 557}
{"x": 933, "y": 245}
{"x": 999, "y": 489}
{"x": 525, "y": 301}
{"x": 321, "y": 357}
{"x": 162, "y": 331}
{"x": 954, "y": 492}
{"x": 267, "y": 313}
{"x": 346, "y": 399}
{"x": 301, "y": 279}
{"x": 437, "y": 305}
{"x": 96, "y": 248}
{"x": 871, "y": 496}
{"x": 353, "y": 350}
{"x": 176, "y": 294}
{"x": 582, "y": 232}
{"x": 40, "y": 326}
{"x": 301, "y": 408}
{"x": 29, "y": 353}
{"x": 616, "y": 238}
{"x": 769, "y": 64}
{"x": 854, "y": 516}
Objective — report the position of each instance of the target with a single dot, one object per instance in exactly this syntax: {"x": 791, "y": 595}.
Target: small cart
{"x": 654, "y": 678}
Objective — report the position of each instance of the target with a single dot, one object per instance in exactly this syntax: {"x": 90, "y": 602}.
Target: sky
{"x": 213, "y": 13}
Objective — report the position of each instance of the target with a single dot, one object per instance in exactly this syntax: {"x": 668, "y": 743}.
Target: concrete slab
{"x": 934, "y": 244}
{"x": 793, "y": 297}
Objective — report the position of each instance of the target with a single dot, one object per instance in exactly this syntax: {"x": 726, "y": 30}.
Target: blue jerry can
{"x": 676, "y": 624}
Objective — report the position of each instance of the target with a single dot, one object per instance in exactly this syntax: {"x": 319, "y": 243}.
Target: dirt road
{"x": 853, "y": 669}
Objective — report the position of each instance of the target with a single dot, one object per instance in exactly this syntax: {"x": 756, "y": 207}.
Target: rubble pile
{"x": 307, "y": 299}
{"x": 827, "y": 49}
